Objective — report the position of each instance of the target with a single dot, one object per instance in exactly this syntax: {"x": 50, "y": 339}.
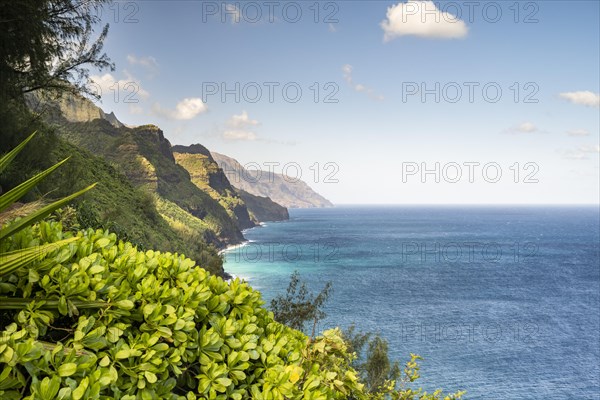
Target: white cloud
{"x": 109, "y": 87}
{"x": 574, "y": 155}
{"x": 592, "y": 148}
{"x": 234, "y": 12}
{"x": 102, "y": 83}
{"x": 241, "y": 121}
{"x": 581, "y": 152}
{"x": 186, "y": 109}
{"x": 525, "y": 127}
{"x": 585, "y": 98}
{"x": 423, "y": 19}
{"x": 578, "y": 132}
{"x": 239, "y": 135}
{"x": 239, "y": 127}
{"x": 149, "y": 63}
{"x": 347, "y": 73}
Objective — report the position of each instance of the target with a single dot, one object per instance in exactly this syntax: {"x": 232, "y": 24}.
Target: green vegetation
{"x": 161, "y": 328}
{"x": 244, "y": 208}
{"x": 48, "y": 45}
{"x": 115, "y": 204}
{"x": 299, "y": 307}
{"x": 144, "y": 156}
{"x": 19, "y": 258}
{"x": 87, "y": 310}
{"x": 376, "y": 369}
{"x": 263, "y": 209}
{"x": 380, "y": 378}
{"x": 207, "y": 176}
{"x": 98, "y": 317}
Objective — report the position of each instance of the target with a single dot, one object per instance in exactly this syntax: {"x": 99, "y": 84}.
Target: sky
{"x": 373, "y": 102}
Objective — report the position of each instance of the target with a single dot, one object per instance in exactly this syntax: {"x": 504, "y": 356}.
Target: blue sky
{"x": 374, "y": 59}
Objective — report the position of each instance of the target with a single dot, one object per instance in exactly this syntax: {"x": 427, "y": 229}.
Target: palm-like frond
{"x": 19, "y": 258}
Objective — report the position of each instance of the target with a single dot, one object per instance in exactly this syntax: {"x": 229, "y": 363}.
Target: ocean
{"x": 503, "y": 302}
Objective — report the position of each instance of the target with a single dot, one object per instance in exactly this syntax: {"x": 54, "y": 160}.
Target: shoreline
{"x": 245, "y": 241}
{"x": 234, "y": 246}
{"x": 227, "y": 275}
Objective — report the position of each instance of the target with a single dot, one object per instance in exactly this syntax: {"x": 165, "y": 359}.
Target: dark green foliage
{"x": 48, "y": 45}
{"x": 381, "y": 378}
{"x": 378, "y": 369}
{"x": 299, "y": 306}
{"x": 114, "y": 204}
{"x": 98, "y": 318}
{"x": 144, "y": 157}
{"x": 375, "y": 367}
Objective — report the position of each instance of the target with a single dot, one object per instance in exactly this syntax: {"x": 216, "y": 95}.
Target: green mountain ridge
{"x": 246, "y": 209}
{"x": 189, "y": 190}
{"x": 288, "y": 192}
{"x": 263, "y": 209}
{"x": 144, "y": 156}
{"x": 114, "y": 204}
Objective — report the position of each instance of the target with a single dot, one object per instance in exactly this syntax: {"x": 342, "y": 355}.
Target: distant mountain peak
{"x": 193, "y": 149}
{"x": 288, "y": 192}
{"x": 243, "y": 207}
{"x": 72, "y": 107}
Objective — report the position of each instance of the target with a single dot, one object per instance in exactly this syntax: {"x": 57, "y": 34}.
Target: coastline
{"x": 245, "y": 241}
{"x": 234, "y": 246}
{"x": 227, "y": 276}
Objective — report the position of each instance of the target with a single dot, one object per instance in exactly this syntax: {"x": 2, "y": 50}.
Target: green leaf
{"x": 113, "y": 334}
{"x": 19, "y": 258}
{"x": 150, "y": 377}
{"x": 16, "y": 193}
{"x": 64, "y": 393}
{"x": 80, "y": 391}
{"x": 62, "y": 305}
{"x": 223, "y": 381}
{"x": 8, "y": 157}
{"x": 102, "y": 242}
{"x": 39, "y": 214}
{"x": 121, "y": 354}
{"x": 33, "y": 276}
{"x": 105, "y": 361}
{"x": 49, "y": 387}
{"x": 125, "y": 304}
{"x": 67, "y": 369}
{"x": 7, "y": 355}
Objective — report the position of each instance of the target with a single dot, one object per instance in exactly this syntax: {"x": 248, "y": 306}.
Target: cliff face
{"x": 279, "y": 188}
{"x": 73, "y": 108}
{"x": 246, "y": 209}
{"x": 145, "y": 157}
{"x": 207, "y": 176}
{"x": 264, "y": 209}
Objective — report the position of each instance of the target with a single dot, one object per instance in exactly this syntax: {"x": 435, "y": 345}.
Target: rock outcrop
{"x": 288, "y": 192}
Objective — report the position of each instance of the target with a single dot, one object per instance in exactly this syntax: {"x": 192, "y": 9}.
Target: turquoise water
{"x": 503, "y": 302}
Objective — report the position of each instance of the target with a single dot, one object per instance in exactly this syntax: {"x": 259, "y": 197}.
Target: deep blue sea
{"x": 503, "y": 302}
